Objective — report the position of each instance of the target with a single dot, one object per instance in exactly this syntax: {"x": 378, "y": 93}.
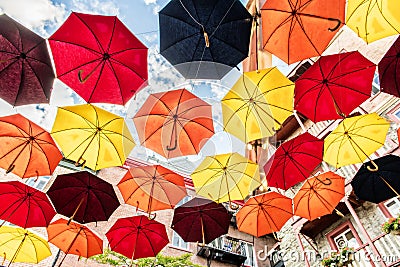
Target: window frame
{"x": 386, "y": 212}
{"x": 340, "y": 230}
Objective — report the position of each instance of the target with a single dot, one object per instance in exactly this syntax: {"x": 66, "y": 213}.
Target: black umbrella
{"x": 83, "y": 197}
{"x": 26, "y": 74}
{"x": 208, "y": 36}
{"x": 201, "y": 220}
{"x": 378, "y": 180}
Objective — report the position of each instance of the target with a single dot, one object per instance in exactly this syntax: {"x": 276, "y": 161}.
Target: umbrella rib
{"x": 126, "y": 66}
{"x": 75, "y": 44}
{"x": 93, "y": 34}
{"x": 384, "y": 17}
{"x": 341, "y": 75}
{"x": 230, "y": 45}
{"x": 181, "y": 40}
{"x": 206, "y": 182}
{"x": 286, "y": 20}
{"x": 300, "y": 22}
{"x": 102, "y": 63}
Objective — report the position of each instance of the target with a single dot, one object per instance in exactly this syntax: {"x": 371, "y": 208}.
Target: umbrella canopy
{"x": 258, "y": 104}
{"x": 21, "y": 245}
{"x": 294, "y": 161}
{"x": 91, "y": 136}
{"x": 174, "y": 123}
{"x": 24, "y": 206}
{"x": 137, "y": 237}
{"x": 355, "y": 139}
{"x": 264, "y": 214}
{"x": 334, "y": 86}
{"x": 83, "y": 197}
{"x": 226, "y": 177}
{"x": 152, "y": 188}
{"x": 378, "y": 180}
{"x": 197, "y": 31}
{"x": 201, "y": 220}
{"x": 73, "y": 238}
{"x": 99, "y": 58}
{"x": 294, "y": 30}
{"x": 319, "y": 196}
{"x": 389, "y": 70}
{"x": 27, "y": 150}
{"x": 26, "y": 73}
{"x": 373, "y": 19}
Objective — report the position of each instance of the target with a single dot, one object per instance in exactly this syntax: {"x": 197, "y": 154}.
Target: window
{"x": 391, "y": 207}
{"x": 38, "y": 182}
{"x": 250, "y": 261}
{"x": 345, "y": 239}
{"x": 178, "y": 242}
{"x": 375, "y": 84}
{"x": 344, "y": 235}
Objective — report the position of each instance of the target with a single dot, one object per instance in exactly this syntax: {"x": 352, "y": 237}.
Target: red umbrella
{"x": 137, "y": 237}
{"x": 83, "y": 197}
{"x": 334, "y": 86}
{"x": 174, "y": 123}
{"x": 26, "y": 149}
{"x": 99, "y": 58}
{"x": 389, "y": 70}
{"x": 201, "y": 220}
{"x": 24, "y": 206}
{"x": 294, "y": 161}
{"x": 26, "y": 74}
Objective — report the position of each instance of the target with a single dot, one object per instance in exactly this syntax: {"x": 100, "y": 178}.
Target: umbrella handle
{"x": 10, "y": 169}
{"x": 78, "y": 164}
{"x": 4, "y": 258}
{"x": 174, "y": 147}
{"x": 152, "y": 216}
{"x": 233, "y": 206}
{"x": 327, "y": 181}
{"x": 375, "y": 167}
{"x": 337, "y": 26}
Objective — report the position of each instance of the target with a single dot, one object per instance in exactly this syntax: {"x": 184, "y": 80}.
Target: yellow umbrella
{"x": 20, "y": 245}
{"x": 373, "y": 19}
{"x": 226, "y": 177}
{"x": 91, "y": 136}
{"x": 355, "y": 139}
{"x": 258, "y": 104}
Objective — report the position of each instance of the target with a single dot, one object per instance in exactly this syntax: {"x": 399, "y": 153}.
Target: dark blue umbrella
{"x": 204, "y": 39}
{"x": 378, "y": 180}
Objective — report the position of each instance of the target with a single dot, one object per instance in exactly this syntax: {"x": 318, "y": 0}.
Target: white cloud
{"x": 109, "y": 8}
{"x": 154, "y": 3}
{"x": 38, "y": 15}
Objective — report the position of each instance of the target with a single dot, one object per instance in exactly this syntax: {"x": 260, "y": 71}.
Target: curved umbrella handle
{"x": 327, "y": 181}
{"x": 78, "y": 164}
{"x": 174, "y": 147}
{"x": 337, "y": 25}
{"x": 152, "y": 216}
{"x": 233, "y": 206}
{"x": 375, "y": 167}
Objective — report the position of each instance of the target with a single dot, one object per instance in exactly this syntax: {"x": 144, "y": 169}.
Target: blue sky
{"x": 140, "y": 16}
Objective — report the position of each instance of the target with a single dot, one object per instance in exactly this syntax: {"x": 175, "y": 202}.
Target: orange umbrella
{"x": 26, "y": 149}
{"x": 152, "y": 188}
{"x": 294, "y": 30}
{"x": 319, "y": 196}
{"x": 174, "y": 123}
{"x": 73, "y": 238}
{"x": 264, "y": 214}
